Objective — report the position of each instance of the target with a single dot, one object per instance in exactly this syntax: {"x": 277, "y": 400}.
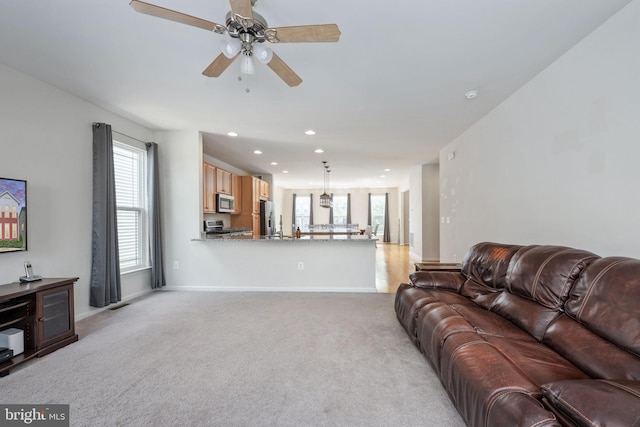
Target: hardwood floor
{"x": 393, "y": 265}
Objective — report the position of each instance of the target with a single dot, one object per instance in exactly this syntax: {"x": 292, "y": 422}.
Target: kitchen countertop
{"x": 304, "y": 238}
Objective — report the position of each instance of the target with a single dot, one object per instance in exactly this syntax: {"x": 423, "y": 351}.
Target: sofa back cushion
{"x": 487, "y": 263}
{"x": 538, "y": 281}
{"x": 545, "y": 274}
{"x": 606, "y": 300}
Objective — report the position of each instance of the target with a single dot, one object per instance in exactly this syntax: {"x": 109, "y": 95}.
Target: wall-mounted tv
{"x": 13, "y": 215}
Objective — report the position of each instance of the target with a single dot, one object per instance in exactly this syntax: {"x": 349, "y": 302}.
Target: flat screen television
{"x": 13, "y": 215}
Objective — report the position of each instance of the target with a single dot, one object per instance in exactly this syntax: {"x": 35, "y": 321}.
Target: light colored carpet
{"x": 240, "y": 359}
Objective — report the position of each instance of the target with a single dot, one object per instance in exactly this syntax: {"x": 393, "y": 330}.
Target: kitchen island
{"x": 312, "y": 263}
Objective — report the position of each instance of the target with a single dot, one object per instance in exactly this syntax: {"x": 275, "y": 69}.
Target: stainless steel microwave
{"x": 224, "y": 203}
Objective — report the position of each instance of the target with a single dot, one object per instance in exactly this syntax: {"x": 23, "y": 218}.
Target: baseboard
{"x": 265, "y": 289}
{"x": 124, "y": 299}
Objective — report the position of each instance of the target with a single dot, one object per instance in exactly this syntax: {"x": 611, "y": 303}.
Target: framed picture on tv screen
{"x": 13, "y": 215}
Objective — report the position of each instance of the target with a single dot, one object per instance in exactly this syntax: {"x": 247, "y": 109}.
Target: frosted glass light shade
{"x": 263, "y": 53}
{"x": 230, "y": 48}
{"x": 246, "y": 65}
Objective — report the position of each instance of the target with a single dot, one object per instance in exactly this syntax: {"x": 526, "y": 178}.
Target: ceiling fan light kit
{"x": 248, "y": 31}
{"x": 230, "y": 48}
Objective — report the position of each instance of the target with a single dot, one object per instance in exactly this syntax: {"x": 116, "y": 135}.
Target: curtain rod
{"x": 128, "y": 136}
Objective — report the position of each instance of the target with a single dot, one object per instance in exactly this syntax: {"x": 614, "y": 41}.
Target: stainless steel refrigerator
{"x": 267, "y": 219}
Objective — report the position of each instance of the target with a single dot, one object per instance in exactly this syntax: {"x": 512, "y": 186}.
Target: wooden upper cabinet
{"x": 264, "y": 190}
{"x": 236, "y": 192}
{"x": 208, "y": 188}
{"x": 255, "y": 196}
{"x": 223, "y": 181}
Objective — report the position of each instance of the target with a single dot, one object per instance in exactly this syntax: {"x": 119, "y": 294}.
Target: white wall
{"x": 556, "y": 163}
{"x": 430, "y": 213}
{"x": 415, "y": 213}
{"x": 46, "y": 139}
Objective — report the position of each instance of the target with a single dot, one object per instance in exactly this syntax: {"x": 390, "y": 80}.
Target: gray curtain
{"x": 369, "y": 210}
{"x": 293, "y": 214}
{"x": 105, "y": 263}
{"x": 387, "y": 231}
{"x": 348, "y": 208}
{"x": 155, "y": 226}
{"x": 331, "y": 211}
{"x": 311, "y": 209}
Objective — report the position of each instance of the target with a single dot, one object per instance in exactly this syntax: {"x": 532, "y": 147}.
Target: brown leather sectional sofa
{"x": 531, "y": 335}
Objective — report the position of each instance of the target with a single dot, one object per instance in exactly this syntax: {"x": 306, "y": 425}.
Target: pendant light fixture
{"x": 325, "y": 200}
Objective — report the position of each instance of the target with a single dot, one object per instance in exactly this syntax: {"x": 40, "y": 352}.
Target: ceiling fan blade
{"x": 172, "y": 15}
{"x": 243, "y": 12}
{"x": 283, "y": 71}
{"x": 304, "y": 33}
{"x": 218, "y": 66}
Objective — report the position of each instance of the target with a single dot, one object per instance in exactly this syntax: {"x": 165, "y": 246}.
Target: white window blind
{"x": 377, "y": 213}
{"x": 129, "y": 175}
{"x": 303, "y": 212}
{"x": 340, "y": 210}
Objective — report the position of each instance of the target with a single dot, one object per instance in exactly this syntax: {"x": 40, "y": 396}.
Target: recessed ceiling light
{"x": 274, "y": 163}
{"x": 285, "y": 171}
{"x": 232, "y": 134}
{"x": 382, "y": 176}
{"x": 257, "y": 152}
{"x": 471, "y": 94}
{"x": 310, "y": 132}
{"x": 387, "y": 170}
{"x": 319, "y": 151}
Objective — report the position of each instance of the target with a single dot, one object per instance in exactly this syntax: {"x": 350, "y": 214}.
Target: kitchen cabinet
{"x": 249, "y": 216}
{"x": 236, "y": 192}
{"x": 223, "y": 181}
{"x": 264, "y": 190}
{"x": 208, "y": 188}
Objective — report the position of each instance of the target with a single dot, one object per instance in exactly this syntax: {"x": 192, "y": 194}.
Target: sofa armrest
{"x": 445, "y": 280}
{"x": 595, "y": 402}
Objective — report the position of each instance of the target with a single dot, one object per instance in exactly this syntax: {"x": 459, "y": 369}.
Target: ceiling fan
{"x": 248, "y": 31}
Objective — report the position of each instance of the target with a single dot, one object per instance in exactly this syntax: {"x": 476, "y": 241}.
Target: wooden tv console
{"x": 44, "y": 311}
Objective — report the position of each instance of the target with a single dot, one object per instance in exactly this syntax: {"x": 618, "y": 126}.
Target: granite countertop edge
{"x": 305, "y": 239}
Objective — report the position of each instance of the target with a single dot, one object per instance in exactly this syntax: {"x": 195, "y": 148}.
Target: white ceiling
{"x": 389, "y": 94}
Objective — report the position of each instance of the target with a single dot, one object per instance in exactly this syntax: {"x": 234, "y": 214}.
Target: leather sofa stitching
{"x": 539, "y": 272}
{"x": 574, "y": 409}
{"x": 622, "y": 387}
{"x": 517, "y": 257}
{"x": 591, "y": 287}
{"x": 568, "y": 285}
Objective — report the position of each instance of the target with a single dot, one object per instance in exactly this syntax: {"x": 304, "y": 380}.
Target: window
{"x": 130, "y": 172}
{"x": 340, "y": 210}
{"x": 377, "y": 212}
{"x": 303, "y": 212}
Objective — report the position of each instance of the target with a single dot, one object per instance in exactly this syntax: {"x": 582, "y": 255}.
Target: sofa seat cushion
{"x": 526, "y": 314}
{"x": 487, "y": 387}
{"x": 538, "y": 362}
{"x": 591, "y": 353}
{"x": 409, "y": 300}
{"x": 590, "y": 403}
